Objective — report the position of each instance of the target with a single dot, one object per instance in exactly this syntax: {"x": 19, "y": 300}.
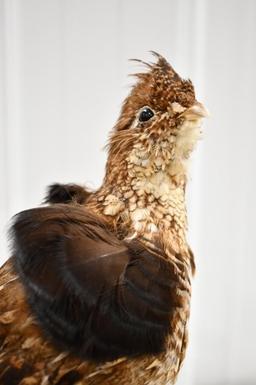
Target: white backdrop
{"x": 63, "y": 76}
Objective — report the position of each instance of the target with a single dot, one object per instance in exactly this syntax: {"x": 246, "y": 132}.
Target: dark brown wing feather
{"x": 92, "y": 294}
{"x": 66, "y": 193}
{"x": 26, "y": 357}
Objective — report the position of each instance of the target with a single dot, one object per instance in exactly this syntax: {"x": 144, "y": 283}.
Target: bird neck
{"x": 151, "y": 205}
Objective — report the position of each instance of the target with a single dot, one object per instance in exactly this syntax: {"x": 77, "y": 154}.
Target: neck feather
{"x": 142, "y": 203}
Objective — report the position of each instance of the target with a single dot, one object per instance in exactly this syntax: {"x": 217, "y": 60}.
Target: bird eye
{"x": 145, "y": 114}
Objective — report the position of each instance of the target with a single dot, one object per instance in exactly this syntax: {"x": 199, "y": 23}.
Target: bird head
{"x": 159, "y": 123}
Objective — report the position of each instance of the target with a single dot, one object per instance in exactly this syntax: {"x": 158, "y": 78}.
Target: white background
{"x": 63, "y": 76}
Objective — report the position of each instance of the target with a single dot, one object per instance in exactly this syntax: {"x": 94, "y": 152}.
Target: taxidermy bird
{"x": 97, "y": 290}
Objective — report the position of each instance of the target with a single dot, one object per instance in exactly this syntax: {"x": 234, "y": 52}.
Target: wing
{"x": 92, "y": 294}
{"x": 66, "y": 193}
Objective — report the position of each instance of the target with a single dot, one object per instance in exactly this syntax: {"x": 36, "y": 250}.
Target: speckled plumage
{"x": 142, "y": 197}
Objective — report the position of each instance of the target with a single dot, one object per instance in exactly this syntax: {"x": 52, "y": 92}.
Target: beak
{"x": 196, "y": 111}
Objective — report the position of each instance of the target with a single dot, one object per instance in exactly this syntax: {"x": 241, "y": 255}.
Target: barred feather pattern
{"x": 142, "y": 199}
{"x": 27, "y": 358}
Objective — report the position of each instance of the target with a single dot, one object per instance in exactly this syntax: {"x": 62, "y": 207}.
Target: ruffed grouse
{"x": 97, "y": 290}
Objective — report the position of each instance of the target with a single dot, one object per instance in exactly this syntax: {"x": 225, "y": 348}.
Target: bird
{"x": 98, "y": 286}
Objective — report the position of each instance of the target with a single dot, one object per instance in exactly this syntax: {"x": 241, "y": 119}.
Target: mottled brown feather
{"x": 94, "y": 295}
{"x": 140, "y": 212}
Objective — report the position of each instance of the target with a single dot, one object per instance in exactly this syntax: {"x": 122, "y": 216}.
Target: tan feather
{"x": 60, "y": 249}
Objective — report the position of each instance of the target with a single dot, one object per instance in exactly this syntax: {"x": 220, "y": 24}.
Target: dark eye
{"x": 145, "y": 114}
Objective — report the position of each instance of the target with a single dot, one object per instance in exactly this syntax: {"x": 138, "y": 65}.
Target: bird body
{"x": 98, "y": 288}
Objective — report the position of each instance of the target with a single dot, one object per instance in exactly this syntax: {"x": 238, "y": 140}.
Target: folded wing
{"x": 92, "y": 294}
